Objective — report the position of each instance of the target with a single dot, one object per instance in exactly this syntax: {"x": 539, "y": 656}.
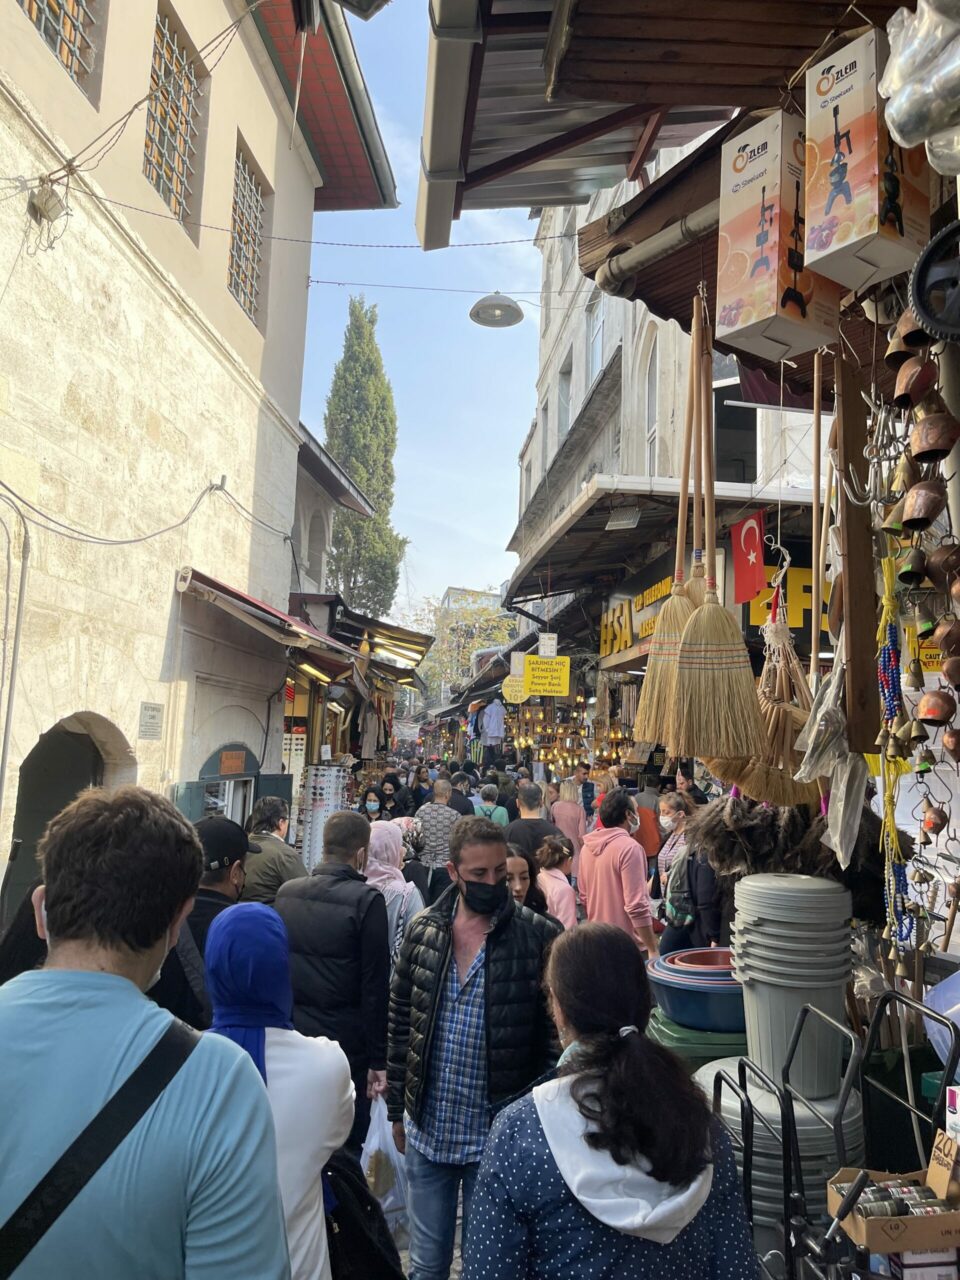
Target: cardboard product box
{"x": 938, "y": 1265}
{"x": 769, "y": 302}
{"x": 867, "y": 199}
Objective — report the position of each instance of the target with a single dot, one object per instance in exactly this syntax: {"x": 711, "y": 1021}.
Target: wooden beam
{"x": 694, "y": 50}
{"x": 470, "y": 108}
{"x": 674, "y": 95}
{"x": 856, "y": 550}
{"x": 555, "y": 146}
{"x": 644, "y": 146}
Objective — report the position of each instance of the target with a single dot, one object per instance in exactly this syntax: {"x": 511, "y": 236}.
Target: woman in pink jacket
{"x": 569, "y": 815}
{"x": 613, "y": 872}
{"x": 555, "y": 859}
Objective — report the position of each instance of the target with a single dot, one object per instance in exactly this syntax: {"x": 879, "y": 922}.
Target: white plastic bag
{"x": 848, "y": 790}
{"x": 383, "y": 1168}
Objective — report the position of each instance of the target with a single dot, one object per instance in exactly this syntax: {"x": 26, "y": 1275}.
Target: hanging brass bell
{"x": 913, "y": 677}
{"x": 925, "y": 837}
{"x": 893, "y": 953}
{"x": 925, "y": 622}
{"x": 918, "y": 733}
{"x": 901, "y": 970}
{"x": 887, "y": 933}
{"x": 894, "y": 749}
{"x": 899, "y": 720}
{"x": 893, "y": 520}
{"x": 905, "y": 732}
{"x": 882, "y": 738}
{"x": 906, "y": 475}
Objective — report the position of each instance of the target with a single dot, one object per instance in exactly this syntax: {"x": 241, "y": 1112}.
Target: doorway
{"x": 62, "y": 764}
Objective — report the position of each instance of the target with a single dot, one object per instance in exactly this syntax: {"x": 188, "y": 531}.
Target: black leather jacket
{"x": 521, "y": 1039}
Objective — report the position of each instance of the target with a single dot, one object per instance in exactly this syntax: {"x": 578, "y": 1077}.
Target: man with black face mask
{"x": 469, "y": 1028}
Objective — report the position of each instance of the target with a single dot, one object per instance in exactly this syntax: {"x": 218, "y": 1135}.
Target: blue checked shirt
{"x": 456, "y": 1113}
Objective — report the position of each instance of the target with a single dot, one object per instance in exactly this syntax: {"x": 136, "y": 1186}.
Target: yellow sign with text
{"x": 546, "y": 677}
{"x": 513, "y": 690}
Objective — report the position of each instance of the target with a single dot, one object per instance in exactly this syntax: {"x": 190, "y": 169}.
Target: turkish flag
{"x": 749, "y": 574}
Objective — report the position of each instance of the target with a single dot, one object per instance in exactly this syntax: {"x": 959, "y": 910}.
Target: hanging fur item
{"x": 741, "y": 838}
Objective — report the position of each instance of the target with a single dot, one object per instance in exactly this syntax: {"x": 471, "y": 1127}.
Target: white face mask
{"x": 668, "y": 824}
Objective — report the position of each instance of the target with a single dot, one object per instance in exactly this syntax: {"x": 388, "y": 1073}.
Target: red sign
{"x": 749, "y": 576}
{"x": 232, "y": 762}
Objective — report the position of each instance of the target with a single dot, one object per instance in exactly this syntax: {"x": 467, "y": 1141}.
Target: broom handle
{"x": 681, "y": 562}
{"x": 706, "y": 426}
{"x": 696, "y": 340}
{"x": 816, "y": 602}
{"x": 821, "y": 565}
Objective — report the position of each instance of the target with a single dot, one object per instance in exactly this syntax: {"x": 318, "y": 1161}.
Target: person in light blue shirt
{"x": 192, "y": 1190}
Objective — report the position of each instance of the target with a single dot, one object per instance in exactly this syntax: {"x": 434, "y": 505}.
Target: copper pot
{"x": 937, "y": 706}
{"x": 951, "y": 743}
{"x": 897, "y": 354}
{"x": 955, "y": 590}
{"x": 933, "y": 437}
{"x": 912, "y": 567}
{"x": 909, "y": 331}
{"x": 943, "y": 564}
{"x": 950, "y": 668}
{"x": 923, "y": 504}
{"x": 916, "y": 379}
{"x": 948, "y": 637}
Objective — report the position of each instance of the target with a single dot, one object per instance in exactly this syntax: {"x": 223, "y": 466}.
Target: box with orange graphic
{"x": 868, "y": 199}
{"x": 768, "y": 301}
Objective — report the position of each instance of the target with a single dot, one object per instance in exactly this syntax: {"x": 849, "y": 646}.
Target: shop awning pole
{"x": 817, "y": 601}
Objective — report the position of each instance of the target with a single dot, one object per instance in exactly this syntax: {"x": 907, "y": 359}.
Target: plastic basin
{"x": 703, "y": 1007}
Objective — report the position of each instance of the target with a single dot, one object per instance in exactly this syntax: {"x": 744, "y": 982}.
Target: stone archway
{"x": 79, "y": 751}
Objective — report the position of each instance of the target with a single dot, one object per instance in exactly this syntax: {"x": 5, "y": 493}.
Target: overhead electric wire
{"x": 323, "y": 244}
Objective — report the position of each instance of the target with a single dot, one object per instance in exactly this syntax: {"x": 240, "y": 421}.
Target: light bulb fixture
{"x": 496, "y": 311}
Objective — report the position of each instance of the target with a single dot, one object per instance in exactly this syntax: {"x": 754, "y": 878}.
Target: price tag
{"x": 942, "y": 1162}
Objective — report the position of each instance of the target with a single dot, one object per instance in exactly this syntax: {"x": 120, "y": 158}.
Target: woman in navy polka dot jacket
{"x": 615, "y": 1170}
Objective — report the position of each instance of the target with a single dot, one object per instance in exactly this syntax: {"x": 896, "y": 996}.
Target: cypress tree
{"x": 361, "y": 434}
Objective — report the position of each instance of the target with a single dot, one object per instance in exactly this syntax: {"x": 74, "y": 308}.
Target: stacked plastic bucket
{"x": 818, "y": 1151}
{"x": 792, "y": 946}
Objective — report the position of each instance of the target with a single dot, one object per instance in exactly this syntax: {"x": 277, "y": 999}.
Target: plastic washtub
{"x": 710, "y": 958}
{"x": 705, "y": 1006}
{"x": 696, "y": 1047}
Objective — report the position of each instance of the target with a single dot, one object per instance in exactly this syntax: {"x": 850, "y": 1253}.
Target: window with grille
{"x": 170, "y": 146}
{"x": 246, "y": 238}
{"x": 67, "y": 27}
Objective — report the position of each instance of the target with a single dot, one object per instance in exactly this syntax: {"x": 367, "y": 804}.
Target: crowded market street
{"x": 480, "y": 640}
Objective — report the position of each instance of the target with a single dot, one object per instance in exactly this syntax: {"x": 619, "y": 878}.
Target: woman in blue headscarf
{"x": 248, "y": 979}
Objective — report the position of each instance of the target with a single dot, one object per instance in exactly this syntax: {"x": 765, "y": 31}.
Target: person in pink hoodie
{"x": 613, "y": 872}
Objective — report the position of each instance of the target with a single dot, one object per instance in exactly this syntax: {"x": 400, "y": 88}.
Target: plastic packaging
{"x": 848, "y": 790}
{"x": 824, "y": 737}
{"x": 943, "y": 998}
{"x": 943, "y": 152}
{"x": 383, "y": 1167}
{"x": 921, "y": 81}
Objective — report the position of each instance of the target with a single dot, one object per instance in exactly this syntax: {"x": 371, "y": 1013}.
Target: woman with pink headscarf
{"x": 383, "y": 871}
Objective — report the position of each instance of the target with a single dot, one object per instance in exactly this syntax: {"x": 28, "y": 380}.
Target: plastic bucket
{"x": 770, "y": 960}
{"x": 800, "y": 895}
{"x": 709, "y": 958}
{"x": 770, "y": 1014}
{"x": 703, "y": 1007}
{"x": 793, "y": 977}
{"x": 782, "y": 937}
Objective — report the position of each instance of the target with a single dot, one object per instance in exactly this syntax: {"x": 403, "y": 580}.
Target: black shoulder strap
{"x": 191, "y": 961}
{"x": 87, "y": 1153}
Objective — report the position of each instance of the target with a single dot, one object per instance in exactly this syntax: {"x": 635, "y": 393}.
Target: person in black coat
{"x": 340, "y": 959}
{"x": 397, "y": 800}
{"x": 467, "y": 988}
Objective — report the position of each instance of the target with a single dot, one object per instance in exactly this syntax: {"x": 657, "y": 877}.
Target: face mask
{"x": 668, "y": 824}
{"x": 372, "y": 806}
{"x": 486, "y": 899}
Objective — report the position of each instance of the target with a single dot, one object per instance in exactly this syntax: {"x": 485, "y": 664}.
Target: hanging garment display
{"x": 494, "y": 722}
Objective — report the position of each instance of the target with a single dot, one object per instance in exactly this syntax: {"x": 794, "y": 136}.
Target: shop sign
{"x": 516, "y": 664}
{"x": 798, "y": 589}
{"x": 630, "y": 617}
{"x": 547, "y": 644}
{"x": 513, "y": 690}
{"x": 546, "y": 677}
{"x": 931, "y": 658}
{"x": 151, "y": 721}
{"x": 232, "y": 762}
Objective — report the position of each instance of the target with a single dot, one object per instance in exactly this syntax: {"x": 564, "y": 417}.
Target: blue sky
{"x": 465, "y": 395}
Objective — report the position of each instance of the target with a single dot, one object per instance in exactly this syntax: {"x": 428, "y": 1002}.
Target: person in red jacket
{"x": 613, "y": 872}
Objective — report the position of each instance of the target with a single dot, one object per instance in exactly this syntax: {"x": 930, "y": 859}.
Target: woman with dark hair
{"x": 422, "y": 787}
{"x": 614, "y": 1170}
{"x": 397, "y": 800}
{"x": 373, "y": 805}
{"x": 522, "y": 878}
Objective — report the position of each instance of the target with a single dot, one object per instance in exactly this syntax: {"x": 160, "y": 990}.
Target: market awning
{"x": 333, "y": 660}
{"x": 734, "y": 53}
{"x": 329, "y": 474}
{"x": 584, "y": 545}
{"x": 492, "y": 139}
{"x": 676, "y": 222}
{"x": 373, "y": 637}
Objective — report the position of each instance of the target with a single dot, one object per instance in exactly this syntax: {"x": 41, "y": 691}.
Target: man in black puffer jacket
{"x": 469, "y": 1027}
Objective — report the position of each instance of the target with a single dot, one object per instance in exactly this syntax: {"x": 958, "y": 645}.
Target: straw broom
{"x": 660, "y": 679}
{"x": 696, "y": 583}
{"x": 716, "y": 708}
